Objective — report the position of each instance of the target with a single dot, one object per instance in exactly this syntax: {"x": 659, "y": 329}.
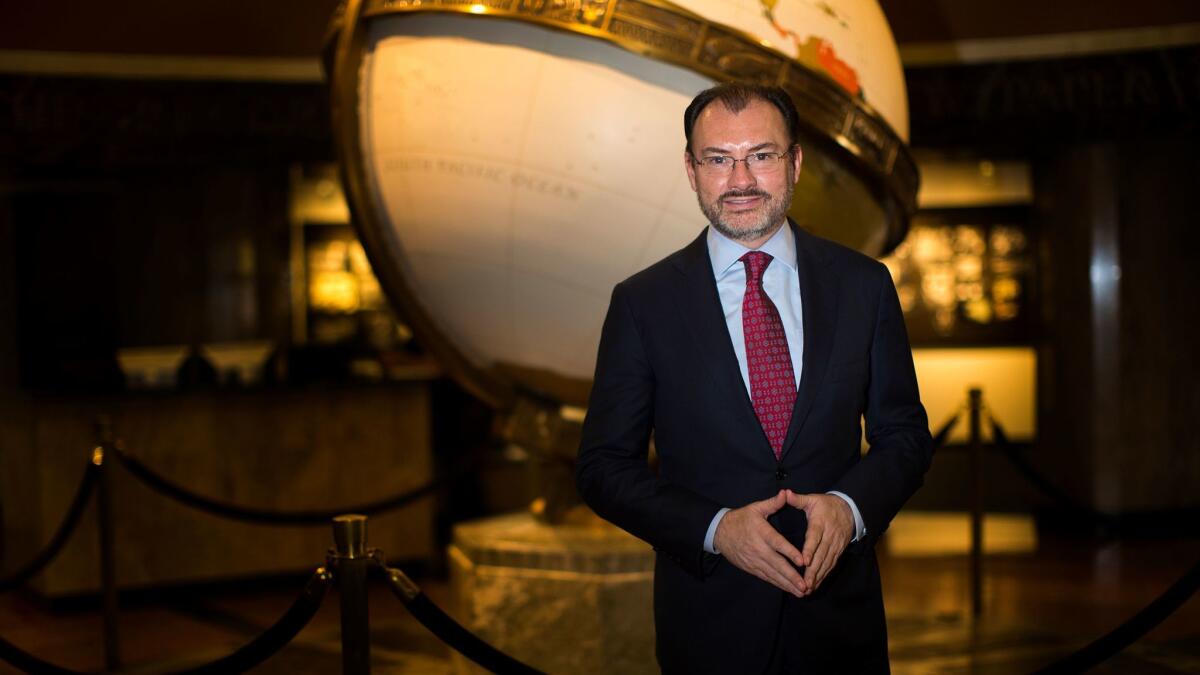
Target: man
{"x": 751, "y": 356}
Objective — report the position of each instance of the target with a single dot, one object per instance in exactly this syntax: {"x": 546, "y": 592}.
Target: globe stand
{"x": 556, "y": 586}
{"x": 550, "y": 435}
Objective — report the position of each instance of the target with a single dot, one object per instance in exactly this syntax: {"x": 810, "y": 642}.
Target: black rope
{"x": 1042, "y": 483}
{"x": 266, "y": 516}
{"x": 450, "y": 631}
{"x": 1129, "y": 632}
{"x": 939, "y": 438}
{"x": 65, "y": 529}
{"x": 28, "y": 663}
{"x": 267, "y": 644}
{"x": 270, "y": 641}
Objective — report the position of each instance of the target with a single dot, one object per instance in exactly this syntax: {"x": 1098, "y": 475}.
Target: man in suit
{"x": 751, "y": 356}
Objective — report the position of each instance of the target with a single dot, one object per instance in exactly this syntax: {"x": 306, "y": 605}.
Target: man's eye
{"x": 762, "y": 156}
{"x": 718, "y": 161}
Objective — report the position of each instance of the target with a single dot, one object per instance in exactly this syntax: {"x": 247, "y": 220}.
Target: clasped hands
{"x": 746, "y": 539}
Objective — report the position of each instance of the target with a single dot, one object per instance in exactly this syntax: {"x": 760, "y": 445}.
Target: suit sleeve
{"x": 612, "y": 474}
{"x": 900, "y": 446}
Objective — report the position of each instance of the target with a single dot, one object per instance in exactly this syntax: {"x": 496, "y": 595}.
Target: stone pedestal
{"x": 562, "y": 598}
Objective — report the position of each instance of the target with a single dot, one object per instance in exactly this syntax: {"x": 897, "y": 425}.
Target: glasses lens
{"x": 759, "y": 163}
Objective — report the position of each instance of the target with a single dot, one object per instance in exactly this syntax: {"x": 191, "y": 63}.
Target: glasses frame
{"x": 700, "y": 164}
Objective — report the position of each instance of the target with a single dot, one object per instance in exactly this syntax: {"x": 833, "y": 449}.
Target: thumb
{"x": 772, "y": 504}
{"x": 800, "y": 501}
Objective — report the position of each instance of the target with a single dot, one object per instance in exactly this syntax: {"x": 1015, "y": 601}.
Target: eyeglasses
{"x": 757, "y": 163}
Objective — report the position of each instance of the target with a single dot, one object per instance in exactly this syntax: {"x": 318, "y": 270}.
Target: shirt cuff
{"x": 860, "y": 529}
{"x": 712, "y": 531}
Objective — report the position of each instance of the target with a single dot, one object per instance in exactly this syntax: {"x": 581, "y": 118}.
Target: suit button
{"x": 780, "y": 474}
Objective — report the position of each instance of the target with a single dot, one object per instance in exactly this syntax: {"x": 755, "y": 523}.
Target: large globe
{"x": 510, "y": 161}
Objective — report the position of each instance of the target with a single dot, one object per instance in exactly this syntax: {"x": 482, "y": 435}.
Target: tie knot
{"x": 756, "y": 263}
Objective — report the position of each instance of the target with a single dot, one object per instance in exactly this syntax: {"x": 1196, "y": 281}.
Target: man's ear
{"x": 797, "y": 160}
{"x": 690, "y": 167}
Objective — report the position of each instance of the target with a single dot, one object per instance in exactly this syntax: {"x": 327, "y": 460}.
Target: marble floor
{"x": 1039, "y": 606}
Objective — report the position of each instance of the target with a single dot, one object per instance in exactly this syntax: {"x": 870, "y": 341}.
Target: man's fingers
{"x": 780, "y": 579}
{"x": 778, "y": 572}
{"x": 772, "y": 504}
{"x": 832, "y": 552}
{"x": 815, "y": 549}
{"x": 781, "y": 557}
{"x": 798, "y": 501}
{"x": 814, "y": 573}
{"x": 785, "y": 548}
{"x": 812, "y": 541}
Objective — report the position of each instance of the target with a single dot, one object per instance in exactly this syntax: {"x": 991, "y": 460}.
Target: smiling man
{"x": 751, "y": 356}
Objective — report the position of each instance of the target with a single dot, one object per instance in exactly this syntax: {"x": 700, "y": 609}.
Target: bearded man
{"x": 752, "y": 356}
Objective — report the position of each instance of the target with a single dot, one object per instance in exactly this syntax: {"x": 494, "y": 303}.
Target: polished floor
{"x": 1039, "y": 606}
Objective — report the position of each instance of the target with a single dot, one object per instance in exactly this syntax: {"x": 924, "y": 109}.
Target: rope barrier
{"x": 270, "y": 641}
{"x": 450, "y": 631}
{"x": 1041, "y": 482}
{"x": 939, "y": 438}
{"x": 1122, "y": 636}
{"x": 28, "y": 663}
{"x": 65, "y": 529}
{"x": 265, "y": 516}
{"x": 267, "y": 644}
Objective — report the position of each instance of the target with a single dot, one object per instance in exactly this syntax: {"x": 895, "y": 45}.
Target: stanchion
{"x": 976, "y": 466}
{"x": 108, "y": 569}
{"x": 352, "y": 564}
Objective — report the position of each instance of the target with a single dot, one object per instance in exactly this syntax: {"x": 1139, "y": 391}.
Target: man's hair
{"x": 735, "y": 96}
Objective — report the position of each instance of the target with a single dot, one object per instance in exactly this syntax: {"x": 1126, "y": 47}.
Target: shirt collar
{"x": 725, "y": 252}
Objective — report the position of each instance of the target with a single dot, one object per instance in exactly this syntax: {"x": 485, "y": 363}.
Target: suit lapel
{"x": 706, "y": 321}
{"x": 818, "y": 295}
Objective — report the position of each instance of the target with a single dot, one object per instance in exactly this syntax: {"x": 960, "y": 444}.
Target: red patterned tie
{"x": 772, "y": 383}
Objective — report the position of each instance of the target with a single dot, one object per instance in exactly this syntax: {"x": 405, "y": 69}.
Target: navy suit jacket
{"x": 666, "y": 368}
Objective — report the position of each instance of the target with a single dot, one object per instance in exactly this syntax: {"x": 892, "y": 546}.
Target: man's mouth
{"x": 742, "y": 201}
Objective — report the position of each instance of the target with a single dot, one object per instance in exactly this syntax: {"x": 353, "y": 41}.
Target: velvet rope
{"x": 186, "y": 497}
{"x": 450, "y": 631}
{"x": 275, "y": 638}
{"x": 1108, "y": 645}
{"x": 1043, "y": 484}
{"x": 261, "y": 648}
{"x": 939, "y": 438}
{"x": 65, "y": 529}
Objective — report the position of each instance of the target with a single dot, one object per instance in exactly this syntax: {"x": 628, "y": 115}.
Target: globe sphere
{"x": 510, "y": 161}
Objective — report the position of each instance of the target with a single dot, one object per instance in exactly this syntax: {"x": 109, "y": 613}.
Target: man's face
{"x": 744, "y": 205}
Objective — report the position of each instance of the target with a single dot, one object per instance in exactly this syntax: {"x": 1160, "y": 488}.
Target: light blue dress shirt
{"x": 781, "y": 281}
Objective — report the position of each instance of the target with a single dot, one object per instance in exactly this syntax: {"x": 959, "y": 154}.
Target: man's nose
{"x": 741, "y": 177}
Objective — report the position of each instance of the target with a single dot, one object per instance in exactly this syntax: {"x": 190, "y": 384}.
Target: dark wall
{"x": 1159, "y": 238}
{"x": 1116, "y": 388}
{"x": 139, "y": 258}
{"x": 147, "y": 213}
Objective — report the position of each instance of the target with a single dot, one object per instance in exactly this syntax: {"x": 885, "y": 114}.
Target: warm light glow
{"x": 333, "y": 292}
{"x": 318, "y": 199}
{"x": 964, "y": 183}
{"x": 340, "y": 278}
{"x": 478, "y": 9}
{"x": 930, "y": 533}
{"x": 1007, "y": 375}
{"x": 963, "y": 272}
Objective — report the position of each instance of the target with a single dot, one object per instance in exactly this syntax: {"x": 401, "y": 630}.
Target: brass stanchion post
{"x": 108, "y": 568}
{"x": 352, "y": 563}
{"x": 976, "y": 466}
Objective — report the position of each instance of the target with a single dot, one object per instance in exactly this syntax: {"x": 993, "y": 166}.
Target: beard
{"x": 769, "y": 215}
